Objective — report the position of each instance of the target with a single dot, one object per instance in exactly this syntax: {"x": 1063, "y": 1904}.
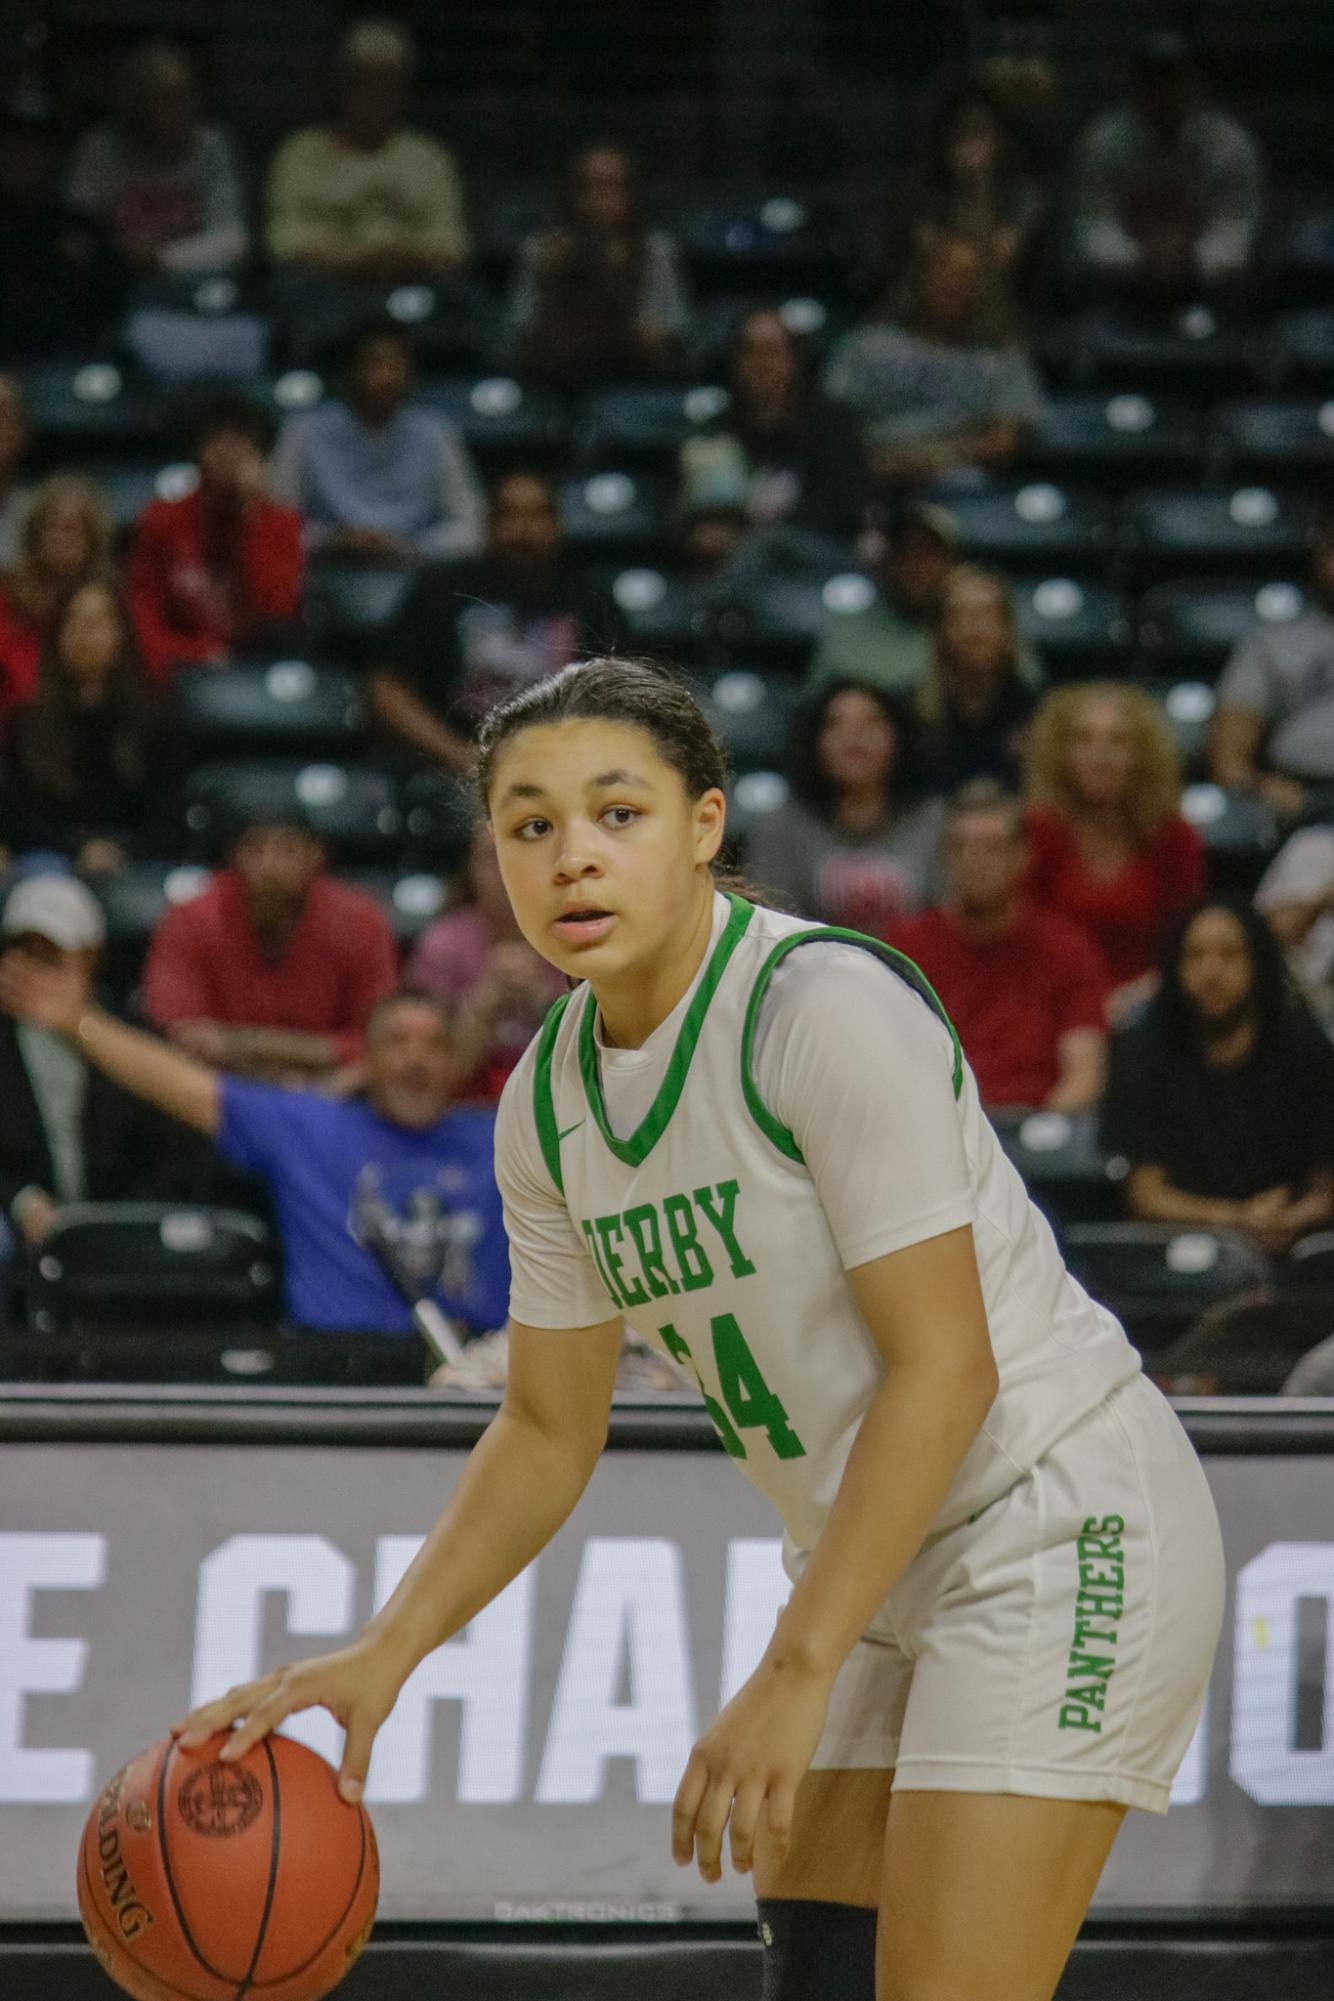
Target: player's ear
{"x": 709, "y": 812}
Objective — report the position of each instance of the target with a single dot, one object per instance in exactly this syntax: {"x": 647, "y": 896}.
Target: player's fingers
{"x": 684, "y": 1809}
{"x": 782, "y": 1804}
{"x": 743, "y": 1822}
{"x": 709, "y": 1825}
{"x": 210, "y": 1717}
{"x": 357, "y": 1748}
{"x": 264, "y": 1717}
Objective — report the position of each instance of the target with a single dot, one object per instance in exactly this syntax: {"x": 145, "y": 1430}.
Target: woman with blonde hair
{"x": 981, "y": 687}
{"x": 66, "y": 540}
{"x": 1111, "y": 851}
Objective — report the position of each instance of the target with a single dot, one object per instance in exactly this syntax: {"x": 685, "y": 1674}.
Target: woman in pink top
{"x": 474, "y": 959}
{"x": 1111, "y": 851}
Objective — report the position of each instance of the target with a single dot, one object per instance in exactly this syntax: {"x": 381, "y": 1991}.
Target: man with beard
{"x": 468, "y": 635}
{"x": 398, "y": 1164}
{"x": 1222, "y": 1097}
{"x": 273, "y": 971}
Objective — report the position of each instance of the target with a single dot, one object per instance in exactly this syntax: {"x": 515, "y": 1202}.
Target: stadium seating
{"x": 1191, "y": 625}
{"x": 1061, "y": 1162}
{"x": 782, "y": 240}
{"x": 410, "y": 901}
{"x": 1311, "y": 1262}
{"x": 1259, "y": 530}
{"x": 614, "y": 514}
{"x": 1191, "y": 353}
{"x": 95, "y": 407}
{"x": 1036, "y": 524}
{"x": 353, "y": 807}
{"x": 502, "y": 422}
{"x": 1270, "y": 439}
{"x": 665, "y": 615}
{"x": 1248, "y": 1345}
{"x": 1240, "y": 833}
{"x": 1189, "y": 708}
{"x": 347, "y": 602}
{"x": 753, "y": 715}
{"x": 1117, "y": 439}
{"x": 284, "y": 705}
{"x": 133, "y": 901}
{"x": 437, "y": 819}
{"x": 645, "y": 425}
{"x": 1079, "y": 628}
{"x": 1158, "y": 1277}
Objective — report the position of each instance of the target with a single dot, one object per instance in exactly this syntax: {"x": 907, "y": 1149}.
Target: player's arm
{"x": 57, "y": 997}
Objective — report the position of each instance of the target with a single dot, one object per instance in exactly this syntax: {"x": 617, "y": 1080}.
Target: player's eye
{"x": 532, "y": 830}
{"x": 628, "y": 815}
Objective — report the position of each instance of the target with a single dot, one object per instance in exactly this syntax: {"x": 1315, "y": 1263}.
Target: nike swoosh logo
{"x": 568, "y": 1130}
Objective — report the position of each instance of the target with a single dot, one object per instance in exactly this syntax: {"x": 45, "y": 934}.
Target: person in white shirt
{"x": 759, "y": 1142}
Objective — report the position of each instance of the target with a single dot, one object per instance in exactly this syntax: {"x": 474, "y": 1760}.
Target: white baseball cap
{"x": 57, "y": 907}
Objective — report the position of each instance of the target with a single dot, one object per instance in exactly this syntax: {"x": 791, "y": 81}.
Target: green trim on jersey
{"x": 898, "y": 962}
{"x": 635, "y": 1150}
{"x": 544, "y": 1104}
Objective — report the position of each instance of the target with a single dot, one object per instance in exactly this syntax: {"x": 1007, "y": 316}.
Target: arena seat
{"x": 1192, "y": 353}
{"x": 645, "y": 424}
{"x": 664, "y": 615}
{"x": 1302, "y": 347}
{"x": 614, "y": 513}
{"x": 1249, "y": 1345}
{"x": 773, "y": 619}
{"x": 1060, "y": 1162}
{"x": 1268, "y": 439}
{"x": 749, "y": 797}
{"x": 347, "y": 603}
{"x": 1079, "y": 628}
{"x": 502, "y": 422}
{"x": 280, "y": 705}
{"x": 353, "y": 807}
{"x": 133, "y": 901}
{"x": 1302, "y": 252}
{"x": 753, "y": 715}
{"x": 816, "y": 317}
{"x": 198, "y": 324}
{"x": 1192, "y": 624}
{"x": 1189, "y": 709}
{"x": 1252, "y": 528}
{"x": 1158, "y": 1277}
{"x": 144, "y": 1265}
{"x": 437, "y": 820}
{"x": 1311, "y": 1262}
{"x": 1240, "y": 834}
{"x": 89, "y": 408}
{"x": 131, "y": 483}
{"x": 1033, "y": 524}
{"x": 1118, "y": 438}
{"x": 782, "y": 240}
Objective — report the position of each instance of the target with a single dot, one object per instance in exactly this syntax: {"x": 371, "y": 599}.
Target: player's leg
{"x": 983, "y": 1894}
{"x": 816, "y": 1905}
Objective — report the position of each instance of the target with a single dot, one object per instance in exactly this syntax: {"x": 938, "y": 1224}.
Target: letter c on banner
{"x": 1266, "y": 1671}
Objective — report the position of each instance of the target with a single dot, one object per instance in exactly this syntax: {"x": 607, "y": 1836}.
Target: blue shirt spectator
{"x": 340, "y": 1172}
{"x": 374, "y": 476}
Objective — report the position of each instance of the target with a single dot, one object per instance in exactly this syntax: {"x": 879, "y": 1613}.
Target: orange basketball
{"x": 200, "y": 1881}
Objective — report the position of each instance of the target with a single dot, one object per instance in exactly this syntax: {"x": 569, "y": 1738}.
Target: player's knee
{"x": 816, "y": 1951}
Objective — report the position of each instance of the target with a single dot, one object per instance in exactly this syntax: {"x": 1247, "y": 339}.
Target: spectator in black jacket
{"x": 1222, "y": 1096}
{"x": 66, "y": 1134}
{"x": 62, "y": 282}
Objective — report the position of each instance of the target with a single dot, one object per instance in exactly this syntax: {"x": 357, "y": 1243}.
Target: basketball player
{"x": 759, "y": 1142}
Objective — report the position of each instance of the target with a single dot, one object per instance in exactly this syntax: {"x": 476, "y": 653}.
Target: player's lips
{"x": 584, "y": 924}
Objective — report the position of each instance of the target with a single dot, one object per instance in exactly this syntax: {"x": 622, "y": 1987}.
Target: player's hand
{"x": 358, "y": 1686}
{"x": 750, "y": 1760}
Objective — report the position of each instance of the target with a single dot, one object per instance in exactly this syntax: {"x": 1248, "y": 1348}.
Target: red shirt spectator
{"x": 1130, "y": 912}
{"x": 214, "y": 571}
{"x": 1012, "y": 997}
{"x": 275, "y": 968}
{"x": 1110, "y": 850}
{"x": 1025, "y": 990}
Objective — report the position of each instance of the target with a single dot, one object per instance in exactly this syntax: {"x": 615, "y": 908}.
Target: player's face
{"x": 1216, "y": 972}
{"x": 603, "y": 854}
{"x": 409, "y": 1065}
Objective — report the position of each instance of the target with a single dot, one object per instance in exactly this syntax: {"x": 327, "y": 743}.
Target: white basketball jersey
{"x": 708, "y": 1235}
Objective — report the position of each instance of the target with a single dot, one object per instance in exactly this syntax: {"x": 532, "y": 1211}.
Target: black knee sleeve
{"x": 816, "y": 1951}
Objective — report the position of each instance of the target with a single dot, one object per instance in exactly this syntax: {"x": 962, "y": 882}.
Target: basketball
{"x": 200, "y": 1881}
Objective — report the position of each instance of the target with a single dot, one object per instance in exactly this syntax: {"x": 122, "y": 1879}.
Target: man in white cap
{"x": 66, "y": 1134}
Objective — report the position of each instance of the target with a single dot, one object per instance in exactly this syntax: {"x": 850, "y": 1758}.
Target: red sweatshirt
{"x": 204, "y": 580}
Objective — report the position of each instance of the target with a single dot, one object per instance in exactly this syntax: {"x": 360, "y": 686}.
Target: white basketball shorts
{"x": 1058, "y": 1644}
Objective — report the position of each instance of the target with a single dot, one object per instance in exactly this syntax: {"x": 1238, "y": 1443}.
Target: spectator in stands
{"x": 273, "y": 971}
{"x": 87, "y": 770}
{"x": 62, "y": 282}
{"x": 467, "y": 635}
{"x": 966, "y": 179}
{"x": 852, "y": 845}
{"x": 399, "y": 1166}
{"x": 364, "y": 200}
{"x": 374, "y": 475}
{"x": 976, "y": 702}
{"x": 65, "y": 539}
{"x": 1167, "y": 188}
{"x": 476, "y": 962}
{"x": 598, "y": 296}
{"x": 888, "y": 644}
{"x": 1273, "y": 732}
{"x": 797, "y": 457}
{"x": 15, "y": 493}
{"x": 67, "y": 1135}
{"x": 1111, "y": 852}
{"x": 934, "y": 397}
{"x": 163, "y": 181}
{"x": 1222, "y": 1097}
{"x": 1296, "y": 896}
{"x": 1025, "y": 990}
{"x": 219, "y": 570}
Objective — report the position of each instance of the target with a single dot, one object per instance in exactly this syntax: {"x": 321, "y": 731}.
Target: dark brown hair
{"x": 648, "y": 697}
{"x": 47, "y": 745}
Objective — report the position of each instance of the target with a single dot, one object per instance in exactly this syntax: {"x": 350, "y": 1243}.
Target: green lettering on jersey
{"x": 691, "y": 1257}
{"x": 594, "y": 1251}
{"x": 642, "y": 1223}
{"x": 750, "y": 1401}
{"x": 721, "y": 1218}
{"x": 678, "y": 1349}
{"x": 608, "y": 1227}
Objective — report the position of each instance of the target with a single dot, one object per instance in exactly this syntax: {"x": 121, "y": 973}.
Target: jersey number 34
{"x": 749, "y": 1399}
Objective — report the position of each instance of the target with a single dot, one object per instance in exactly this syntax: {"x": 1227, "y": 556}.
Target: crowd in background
{"x": 1022, "y": 842}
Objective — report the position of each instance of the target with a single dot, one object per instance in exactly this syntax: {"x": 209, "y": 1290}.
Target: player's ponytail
{"x": 654, "y": 699}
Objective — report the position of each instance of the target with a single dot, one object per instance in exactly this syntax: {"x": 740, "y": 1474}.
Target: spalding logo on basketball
{"x": 252, "y": 1881}
{"x": 220, "y": 1800}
